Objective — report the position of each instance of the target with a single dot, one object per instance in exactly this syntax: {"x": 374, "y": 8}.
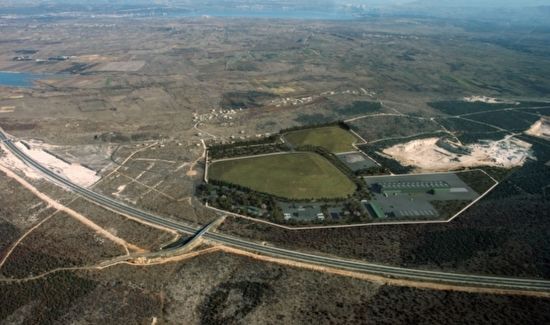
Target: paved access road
{"x": 241, "y": 243}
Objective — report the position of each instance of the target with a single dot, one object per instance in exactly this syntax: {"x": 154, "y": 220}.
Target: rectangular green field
{"x": 333, "y": 138}
{"x": 302, "y": 175}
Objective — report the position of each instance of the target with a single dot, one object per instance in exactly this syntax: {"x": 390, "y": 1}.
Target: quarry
{"x": 432, "y": 154}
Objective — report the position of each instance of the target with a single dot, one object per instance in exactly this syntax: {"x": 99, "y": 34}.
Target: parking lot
{"x": 411, "y": 196}
{"x": 356, "y": 160}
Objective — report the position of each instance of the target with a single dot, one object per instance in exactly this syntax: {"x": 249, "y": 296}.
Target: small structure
{"x": 302, "y": 211}
{"x": 377, "y": 211}
{"x": 254, "y": 211}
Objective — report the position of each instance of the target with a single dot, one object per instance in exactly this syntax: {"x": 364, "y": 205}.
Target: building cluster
{"x": 403, "y": 187}
{"x": 218, "y": 115}
{"x": 290, "y": 101}
{"x": 50, "y": 59}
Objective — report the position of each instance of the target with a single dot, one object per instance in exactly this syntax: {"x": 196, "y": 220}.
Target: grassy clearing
{"x": 332, "y": 138}
{"x": 303, "y": 175}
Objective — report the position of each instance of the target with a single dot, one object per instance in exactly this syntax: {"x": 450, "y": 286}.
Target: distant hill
{"x": 480, "y": 3}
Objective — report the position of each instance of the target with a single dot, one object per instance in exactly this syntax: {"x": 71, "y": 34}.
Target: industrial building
{"x": 375, "y": 210}
{"x": 414, "y": 197}
{"x": 402, "y": 187}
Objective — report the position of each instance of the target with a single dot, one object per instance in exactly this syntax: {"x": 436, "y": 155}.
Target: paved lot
{"x": 411, "y": 195}
{"x": 356, "y": 160}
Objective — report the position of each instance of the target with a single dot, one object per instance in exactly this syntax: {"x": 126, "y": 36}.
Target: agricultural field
{"x": 333, "y": 138}
{"x": 303, "y": 175}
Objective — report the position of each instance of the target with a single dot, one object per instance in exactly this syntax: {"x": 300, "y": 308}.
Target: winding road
{"x": 505, "y": 283}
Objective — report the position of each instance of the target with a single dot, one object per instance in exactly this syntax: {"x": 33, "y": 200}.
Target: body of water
{"x": 18, "y": 79}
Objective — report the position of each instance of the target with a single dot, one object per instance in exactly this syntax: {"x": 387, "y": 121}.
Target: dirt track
{"x": 85, "y": 221}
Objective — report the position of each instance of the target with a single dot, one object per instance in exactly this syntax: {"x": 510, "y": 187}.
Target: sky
{"x": 446, "y": 3}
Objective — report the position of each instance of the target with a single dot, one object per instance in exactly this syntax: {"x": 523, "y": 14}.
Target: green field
{"x": 332, "y": 138}
{"x": 302, "y": 175}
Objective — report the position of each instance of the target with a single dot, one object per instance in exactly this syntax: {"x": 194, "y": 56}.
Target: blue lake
{"x": 18, "y": 79}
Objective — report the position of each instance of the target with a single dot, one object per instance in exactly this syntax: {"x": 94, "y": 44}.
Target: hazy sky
{"x": 475, "y": 3}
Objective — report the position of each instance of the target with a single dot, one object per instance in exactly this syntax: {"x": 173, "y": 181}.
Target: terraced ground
{"x": 332, "y": 138}
{"x": 302, "y": 175}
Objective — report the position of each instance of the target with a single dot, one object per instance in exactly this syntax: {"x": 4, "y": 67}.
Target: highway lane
{"x": 389, "y": 271}
{"x": 334, "y": 262}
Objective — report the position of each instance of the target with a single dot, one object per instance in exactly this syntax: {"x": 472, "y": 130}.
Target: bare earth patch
{"x": 72, "y": 171}
{"x": 122, "y": 66}
{"x": 541, "y": 128}
{"x": 7, "y": 109}
{"x": 485, "y": 99}
{"x": 426, "y": 154}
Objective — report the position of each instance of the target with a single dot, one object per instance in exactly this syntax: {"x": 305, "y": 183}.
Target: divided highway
{"x": 334, "y": 262}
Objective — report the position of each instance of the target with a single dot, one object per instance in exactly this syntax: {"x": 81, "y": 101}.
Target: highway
{"x": 470, "y": 280}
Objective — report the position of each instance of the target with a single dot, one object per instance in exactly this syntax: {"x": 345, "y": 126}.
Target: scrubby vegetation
{"x": 513, "y": 121}
{"x": 521, "y": 220}
{"x": 372, "y": 171}
{"x": 460, "y": 125}
{"x": 532, "y": 177}
{"x": 361, "y": 107}
{"x": 246, "y": 148}
{"x": 312, "y": 119}
{"x": 252, "y": 294}
{"x": 476, "y": 180}
{"x": 337, "y": 111}
{"x": 235, "y": 198}
{"x": 245, "y": 99}
{"x": 48, "y": 298}
{"x": 339, "y": 123}
{"x": 8, "y": 233}
{"x": 416, "y": 306}
{"x": 382, "y": 127}
{"x": 459, "y": 107}
{"x": 447, "y": 209}
{"x": 25, "y": 261}
{"x": 119, "y": 137}
{"x": 471, "y": 132}
{"x": 227, "y": 151}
